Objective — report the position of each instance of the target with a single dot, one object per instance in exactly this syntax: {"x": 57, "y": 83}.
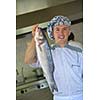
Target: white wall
{"x": 77, "y": 29}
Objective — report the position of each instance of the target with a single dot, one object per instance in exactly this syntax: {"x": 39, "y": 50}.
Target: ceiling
{"x": 29, "y": 12}
{"x": 26, "y": 6}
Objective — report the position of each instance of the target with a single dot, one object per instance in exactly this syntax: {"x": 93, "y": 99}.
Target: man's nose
{"x": 60, "y": 33}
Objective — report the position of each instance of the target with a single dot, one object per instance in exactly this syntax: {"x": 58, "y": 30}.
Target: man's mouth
{"x": 61, "y": 37}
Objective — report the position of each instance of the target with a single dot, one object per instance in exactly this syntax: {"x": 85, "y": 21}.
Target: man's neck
{"x": 62, "y": 45}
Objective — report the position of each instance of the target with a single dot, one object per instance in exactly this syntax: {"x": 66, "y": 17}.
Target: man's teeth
{"x": 61, "y": 37}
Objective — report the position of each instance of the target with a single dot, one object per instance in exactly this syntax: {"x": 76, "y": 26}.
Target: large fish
{"x": 45, "y": 58}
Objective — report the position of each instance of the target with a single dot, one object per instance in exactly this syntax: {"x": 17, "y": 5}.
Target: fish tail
{"x": 53, "y": 87}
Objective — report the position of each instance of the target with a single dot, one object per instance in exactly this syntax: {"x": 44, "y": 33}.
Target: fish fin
{"x": 53, "y": 87}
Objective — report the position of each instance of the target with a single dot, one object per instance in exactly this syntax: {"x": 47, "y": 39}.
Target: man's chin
{"x": 62, "y": 41}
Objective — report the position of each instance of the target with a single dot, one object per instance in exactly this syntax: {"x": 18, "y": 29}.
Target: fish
{"x": 45, "y": 58}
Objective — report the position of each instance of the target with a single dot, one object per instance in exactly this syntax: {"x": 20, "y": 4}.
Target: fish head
{"x": 39, "y": 34}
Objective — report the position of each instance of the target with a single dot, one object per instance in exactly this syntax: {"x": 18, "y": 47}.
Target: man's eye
{"x": 65, "y": 28}
{"x": 57, "y": 29}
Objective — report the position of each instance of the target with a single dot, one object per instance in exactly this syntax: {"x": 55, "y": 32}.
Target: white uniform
{"x": 68, "y": 72}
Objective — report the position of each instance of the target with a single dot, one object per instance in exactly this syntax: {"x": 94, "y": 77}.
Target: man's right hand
{"x": 34, "y": 29}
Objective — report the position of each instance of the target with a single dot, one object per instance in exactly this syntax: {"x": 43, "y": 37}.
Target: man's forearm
{"x": 30, "y": 55}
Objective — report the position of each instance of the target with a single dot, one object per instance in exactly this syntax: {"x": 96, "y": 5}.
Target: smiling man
{"x": 68, "y": 73}
{"x": 61, "y": 33}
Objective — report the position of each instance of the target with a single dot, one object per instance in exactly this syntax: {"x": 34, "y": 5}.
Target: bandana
{"x": 57, "y": 20}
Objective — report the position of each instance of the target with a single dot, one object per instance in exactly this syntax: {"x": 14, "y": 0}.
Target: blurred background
{"x": 30, "y": 82}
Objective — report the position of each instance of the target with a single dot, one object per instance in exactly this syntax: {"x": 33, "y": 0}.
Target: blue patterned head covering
{"x": 57, "y": 20}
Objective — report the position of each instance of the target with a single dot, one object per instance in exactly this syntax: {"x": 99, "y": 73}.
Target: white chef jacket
{"x": 68, "y": 72}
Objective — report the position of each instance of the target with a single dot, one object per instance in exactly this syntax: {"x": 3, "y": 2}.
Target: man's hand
{"x": 39, "y": 38}
{"x": 34, "y": 29}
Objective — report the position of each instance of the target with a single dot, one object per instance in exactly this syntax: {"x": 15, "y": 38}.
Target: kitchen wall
{"x": 77, "y": 29}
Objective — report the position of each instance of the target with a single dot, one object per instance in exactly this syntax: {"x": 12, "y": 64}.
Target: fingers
{"x": 34, "y": 29}
{"x": 40, "y": 39}
{"x": 40, "y": 43}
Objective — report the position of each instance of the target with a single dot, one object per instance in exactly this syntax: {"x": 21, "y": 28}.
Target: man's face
{"x": 61, "y": 33}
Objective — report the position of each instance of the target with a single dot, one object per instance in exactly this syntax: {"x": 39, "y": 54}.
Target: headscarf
{"x": 57, "y": 20}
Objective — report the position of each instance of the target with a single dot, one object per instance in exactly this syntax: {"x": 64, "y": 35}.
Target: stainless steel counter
{"x": 31, "y": 86}
{"x": 43, "y": 94}
{"x": 34, "y": 91}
